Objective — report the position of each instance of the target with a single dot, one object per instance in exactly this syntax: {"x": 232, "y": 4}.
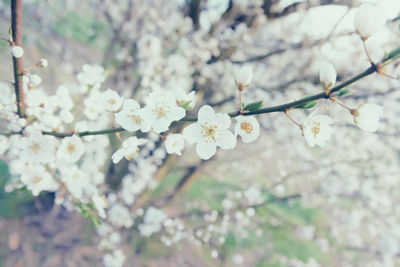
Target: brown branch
{"x": 16, "y": 28}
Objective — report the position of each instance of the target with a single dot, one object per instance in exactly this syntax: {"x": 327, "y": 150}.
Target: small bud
{"x": 327, "y": 76}
{"x": 35, "y": 80}
{"x": 43, "y": 63}
{"x": 368, "y": 20}
{"x": 17, "y": 51}
{"x": 243, "y": 77}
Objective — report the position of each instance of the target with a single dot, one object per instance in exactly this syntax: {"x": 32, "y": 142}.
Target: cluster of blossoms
{"x": 73, "y": 167}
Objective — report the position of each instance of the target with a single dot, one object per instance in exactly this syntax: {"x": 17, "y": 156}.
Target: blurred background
{"x": 273, "y": 202}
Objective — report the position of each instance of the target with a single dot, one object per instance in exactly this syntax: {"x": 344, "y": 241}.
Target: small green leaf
{"x": 186, "y": 104}
{"x": 343, "y": 92}
{"x": 253, "y": 106}
{"x": 307, "y": 105}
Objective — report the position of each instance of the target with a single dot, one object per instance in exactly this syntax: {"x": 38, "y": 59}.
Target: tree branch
{"x": 16, "y": 29}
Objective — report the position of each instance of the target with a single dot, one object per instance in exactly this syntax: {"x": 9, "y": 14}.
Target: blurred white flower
{"x": 131, "y": 117}
{"x": 66, "y": 116}
{"x": 369, "y": 19}
{"x": 243, "y": 77}
{"x": 100, "y": 203}
{"x": 120, "y": 216}
{"x": 112, "y": 100}
{"x": 37, "y": 179}
{"x": 91, "y": 75}
{"x": 43, "y": 63}
{"x": 367, "y": 117}
{"x": 76, "y": 180}
{"x": 210, "y": 131}
{"x": 17, "y": 51}
{"x": 129, "y": 149}
{"x": 316, "y": 129}
{"x": 35, "y": 80}
{"x": 71, "y": 149}
{"x": 152, "y": 221}
{"x": 38, "y": 148}
{"x": 248, "y": 128}
{"x": 175, "y": 143}
{"x": 327, "y": 76}
{"x": 116, "y": 259}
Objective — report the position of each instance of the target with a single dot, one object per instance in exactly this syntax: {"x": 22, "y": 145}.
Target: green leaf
{"x": 343, "y": 92}
{"x": 186, "y": 104}
{"x": 307, "y": 105}
{"x": 253, "y": 106}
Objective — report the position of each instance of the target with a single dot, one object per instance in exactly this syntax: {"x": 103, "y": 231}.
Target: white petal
{"x": 223, "y": 121}
{"x": 206, "y": 113}
{"x": 130, "y": 104}
{"x": 206, "y": 150}
{"x": 161, "y": 125}
{"x": 192, "y": 133}
{"x": 176, "y": 113}
{"x": 117, "y": 156}
{"x": 226, "y": 140}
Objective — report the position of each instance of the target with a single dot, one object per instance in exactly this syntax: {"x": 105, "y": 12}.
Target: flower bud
{"x": 368, "y": 20}
{"x": 43, "y": 63}
{"x": 243, "y": 77}
{"x": 327, "y": 76}
{"x": 17, "y": 51}
{"x": 35, "y": 80}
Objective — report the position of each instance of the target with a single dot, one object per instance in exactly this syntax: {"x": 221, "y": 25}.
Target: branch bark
{"x": 16, "y": 31}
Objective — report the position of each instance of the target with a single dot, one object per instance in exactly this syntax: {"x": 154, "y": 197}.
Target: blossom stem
{"x": 291, "y": 119}
{"x": 16, "y": 29}
{"x": 335, "y": 100}
{"x": 366, "y": 51}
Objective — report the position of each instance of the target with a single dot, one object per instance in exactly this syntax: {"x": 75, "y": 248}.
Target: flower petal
{"x": 192, "y": 133}
{"x": 206, "y": 113}
{"x": 206, "y": 150}
{"x": 226, "y": 140}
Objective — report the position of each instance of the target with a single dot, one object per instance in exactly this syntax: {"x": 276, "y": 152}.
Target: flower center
{"x": 36, "y": 179}
{"x": 135, "y": 118}
{"x": 247, "y": 127}
{"x": 209, "y": 131}
{"x": 71, "y": 148}
{"x": 316, "y": 129}
{"x": 35, "y": 147}
{"x": 111, "y": 101}
{"x": 161, "y": 111}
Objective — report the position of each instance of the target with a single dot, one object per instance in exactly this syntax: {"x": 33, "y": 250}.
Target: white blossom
{"x": 367, "y": 117}
{"x": 71, "y": 149}
{"x": 175, "y": 143}
{"x": 112, "y": 100}
{"x": 38, "y": 148}
{"x": 369, "y": 19}
{"x": 161, "y": 110}
{"x": 91, "y": 75}
{"x": 327, "y": 76}
{"x": 129, "y": 149}
{"x": 76, "y": 180}
{"x": 210, "y": 131}
{"x": 152, "y": 221}
{"x": 37, "y": 179}
{"x": 248, "y": 128}
{"x": 131, "y": 117}
{"x": 17, "y": 51}
{"x": 316, "y": 129}
{"x": 116, "y": 259}
{"x": 120, "y": 216}
{"x": 243, "y": 77}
